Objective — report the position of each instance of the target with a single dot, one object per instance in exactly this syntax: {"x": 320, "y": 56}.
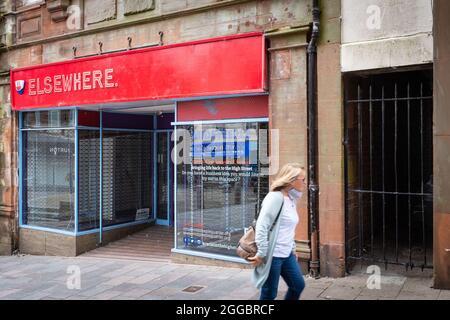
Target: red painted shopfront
{"x": 96, "y": 142}
{"x": 216, "y": 67}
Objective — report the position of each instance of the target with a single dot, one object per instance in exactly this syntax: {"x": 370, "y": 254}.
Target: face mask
{"x": 295, "y": 194}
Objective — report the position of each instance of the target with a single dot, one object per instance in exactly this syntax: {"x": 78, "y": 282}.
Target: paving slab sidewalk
{"x": 47, "y": 278}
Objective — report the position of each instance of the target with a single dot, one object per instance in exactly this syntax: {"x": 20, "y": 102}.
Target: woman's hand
{"x": 255, "y": 261}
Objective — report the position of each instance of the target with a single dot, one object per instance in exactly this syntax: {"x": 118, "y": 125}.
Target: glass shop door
{"x": 163, "y": 178}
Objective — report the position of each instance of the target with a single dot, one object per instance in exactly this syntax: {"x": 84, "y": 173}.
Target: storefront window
{"x": 49, "y": 183}
{"x": 49, "y": 180}
{"x": 220, "y": 184}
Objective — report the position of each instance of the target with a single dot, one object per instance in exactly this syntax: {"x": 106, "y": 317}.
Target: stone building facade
{"x": 38, "y": 32}
{"x": 442, "y": 89}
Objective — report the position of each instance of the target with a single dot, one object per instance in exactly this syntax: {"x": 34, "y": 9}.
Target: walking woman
{"x": 274, "y": 236}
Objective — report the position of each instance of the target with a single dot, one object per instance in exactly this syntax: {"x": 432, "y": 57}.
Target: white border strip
{"x": 245, "y": 120}
{"x": 209, "y": 255}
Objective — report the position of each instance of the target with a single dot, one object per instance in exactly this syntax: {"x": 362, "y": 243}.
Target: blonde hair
{"x": 287, "y": 175}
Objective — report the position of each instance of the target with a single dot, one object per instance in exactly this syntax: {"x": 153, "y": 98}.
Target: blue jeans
{"x": 290, "y": 271}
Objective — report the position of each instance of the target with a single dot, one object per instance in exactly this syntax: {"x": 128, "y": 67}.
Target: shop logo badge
{"x": 20, "y": 86}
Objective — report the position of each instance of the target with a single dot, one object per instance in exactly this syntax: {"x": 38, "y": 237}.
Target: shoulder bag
{"x": 246, "y": 247}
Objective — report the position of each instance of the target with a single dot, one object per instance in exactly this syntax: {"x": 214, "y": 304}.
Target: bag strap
{"x": 276, "y": 219}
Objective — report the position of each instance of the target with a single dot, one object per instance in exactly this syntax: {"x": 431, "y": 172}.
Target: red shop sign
{"x": 213, "y": 67}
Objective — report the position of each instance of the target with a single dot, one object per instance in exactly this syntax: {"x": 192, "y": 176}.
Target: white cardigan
{"x": 265, "y": 240}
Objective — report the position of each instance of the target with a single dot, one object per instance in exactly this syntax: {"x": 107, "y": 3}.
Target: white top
{"x": 288, "y": 222}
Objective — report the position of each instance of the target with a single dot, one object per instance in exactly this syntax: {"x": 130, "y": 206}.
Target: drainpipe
{"x": 313, "y": 187}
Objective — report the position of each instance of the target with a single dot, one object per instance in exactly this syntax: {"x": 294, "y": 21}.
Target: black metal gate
{"x": 388, "y": 168}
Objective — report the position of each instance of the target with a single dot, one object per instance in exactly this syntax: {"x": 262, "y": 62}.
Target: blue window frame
{"x": 220, "y": 185}
{"x": 48, "y": 171}
{"x": 67, "y": 171}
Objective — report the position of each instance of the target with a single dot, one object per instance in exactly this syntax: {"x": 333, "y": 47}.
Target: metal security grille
{"x": 126, "y": 176}
{"x": 388, "y": 125}
{"x": 49, "y": 183}
{"x": 88, "y": 179}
